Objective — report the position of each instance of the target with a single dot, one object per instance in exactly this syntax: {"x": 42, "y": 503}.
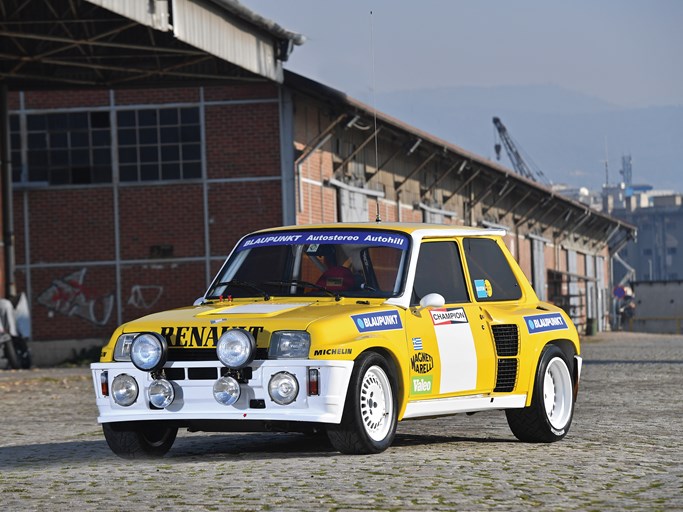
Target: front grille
{"x": 506, "y": 376}
{"x": 207, "y": 373}
{"x": 506, "y": 338}
{"x": 192, "y": 354}
{"x": 205, "y": 354}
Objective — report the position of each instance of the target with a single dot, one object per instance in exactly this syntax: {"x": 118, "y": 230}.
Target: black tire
{"x": 18, "y": 354}
{"x": 550, "y": 414}
{"x": 370, "y": 412}
{"x": 140, "y": 440}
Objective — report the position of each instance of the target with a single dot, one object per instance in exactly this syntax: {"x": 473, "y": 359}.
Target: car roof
{"x": 418, "y": 229}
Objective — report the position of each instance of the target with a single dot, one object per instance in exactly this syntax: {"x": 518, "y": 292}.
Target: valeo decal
{"x": 421, "y": 385}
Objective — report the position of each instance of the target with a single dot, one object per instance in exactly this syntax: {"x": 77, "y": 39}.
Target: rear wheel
{"x": 139, "y": 440}
{"x": 550, "y": 414}
{"x": 369, "y": 421}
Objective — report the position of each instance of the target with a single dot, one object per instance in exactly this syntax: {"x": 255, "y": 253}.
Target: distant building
{"x": 657, "y": 254}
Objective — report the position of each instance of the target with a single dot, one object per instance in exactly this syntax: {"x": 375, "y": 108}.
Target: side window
{"x": 439, "y": 270}
{"x": 490, "y": 273}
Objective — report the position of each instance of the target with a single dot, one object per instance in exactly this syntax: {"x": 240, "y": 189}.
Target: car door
{"x": 451, "y": 347}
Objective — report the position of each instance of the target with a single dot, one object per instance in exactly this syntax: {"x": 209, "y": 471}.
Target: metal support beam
{"x": 507, "y": 188}
{"x": 314, "y": 143}
{"x": 353, "y": 154}
{"x": 555, "y": 219}
{"x": 438, "y": 181}
{"x": 415, "y": 171}
{"x": 489, "y": 191}
{"x": 514, "y": 206}
{"x": 538, "y": 218}
{"x": 383, "y": 164}
{"x": 569, "y": 227}
{"x": 463, "y": 185}
{"x": 527, "y": 214}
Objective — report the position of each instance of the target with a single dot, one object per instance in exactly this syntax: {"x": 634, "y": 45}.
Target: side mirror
{"x": 198, "y": 302}
{"x": 432, "y": 300}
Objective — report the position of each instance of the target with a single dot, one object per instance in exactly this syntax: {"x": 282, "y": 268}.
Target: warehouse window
{"x": 63, "y": 148}
{"x": 159, "y": 144}
{"x": 72, "y": 148}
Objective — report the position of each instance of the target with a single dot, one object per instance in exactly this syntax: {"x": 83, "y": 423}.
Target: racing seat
{"x": 337, "y": 279}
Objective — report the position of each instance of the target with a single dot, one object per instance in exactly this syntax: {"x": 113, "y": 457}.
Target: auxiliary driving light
{"x": 236, "y": 348}
{"x": 226, "y": 390}
{"x": 124, "y": 390}
{"x": 283, "y": 388}
{"x": 160, "y": 393}
{"x": 148, "y": 352}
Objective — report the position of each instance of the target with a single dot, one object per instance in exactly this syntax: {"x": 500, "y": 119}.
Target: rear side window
{"x": 439, "y": 270}
{"x": 491, "y": 275}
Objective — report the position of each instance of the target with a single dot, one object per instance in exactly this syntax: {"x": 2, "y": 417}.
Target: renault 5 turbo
{"x": 344, "y": 330}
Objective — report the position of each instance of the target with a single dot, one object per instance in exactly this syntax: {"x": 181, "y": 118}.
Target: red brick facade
{"x": 91, "y": 256}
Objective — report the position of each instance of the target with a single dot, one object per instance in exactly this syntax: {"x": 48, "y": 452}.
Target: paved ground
{"x": 624, "y": 452}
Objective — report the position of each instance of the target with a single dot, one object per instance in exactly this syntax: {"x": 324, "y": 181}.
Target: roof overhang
{"x": 572, "y": 220}
{"x": 47, "y": 44}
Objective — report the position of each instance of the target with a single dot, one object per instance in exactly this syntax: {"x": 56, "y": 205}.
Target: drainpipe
{"x": 7, "y": 209}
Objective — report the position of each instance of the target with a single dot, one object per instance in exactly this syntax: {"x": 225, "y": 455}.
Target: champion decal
{"x": 448, "y": 316}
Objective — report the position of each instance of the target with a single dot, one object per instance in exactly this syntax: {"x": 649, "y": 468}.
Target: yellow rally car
{"x": 344, "y": 329}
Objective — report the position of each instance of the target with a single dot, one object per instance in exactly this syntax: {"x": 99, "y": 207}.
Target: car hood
{"x": 201, "y": 326}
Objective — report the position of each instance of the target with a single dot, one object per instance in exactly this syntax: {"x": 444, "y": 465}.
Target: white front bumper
{"x": 194, "y": 398}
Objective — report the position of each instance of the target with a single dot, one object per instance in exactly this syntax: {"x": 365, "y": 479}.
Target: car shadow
{"x": 197, "y": 447}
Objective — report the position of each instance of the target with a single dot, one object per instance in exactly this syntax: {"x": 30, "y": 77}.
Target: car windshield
{"x": 353, "y": 263}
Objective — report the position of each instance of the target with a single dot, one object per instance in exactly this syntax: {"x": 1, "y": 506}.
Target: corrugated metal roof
{"x": 153, "y": 13}
{"x": 207, "y": 28}
{"x": 223, "y": 28}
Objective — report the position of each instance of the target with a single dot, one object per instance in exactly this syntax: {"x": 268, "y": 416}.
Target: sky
{"x": 625, "y": 52}
{"x": 576, "y": 83}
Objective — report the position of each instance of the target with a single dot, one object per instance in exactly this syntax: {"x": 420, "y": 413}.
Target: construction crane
{"x": 518, "y": 163}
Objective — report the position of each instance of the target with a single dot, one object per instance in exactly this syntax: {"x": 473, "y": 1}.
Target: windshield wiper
{"x": 306, "y": 284}
{"x": 243, "y": 284}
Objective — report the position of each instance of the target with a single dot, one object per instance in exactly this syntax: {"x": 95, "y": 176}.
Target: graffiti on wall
{"x": 144, "y": 296}
{"x": 69, "y": 296}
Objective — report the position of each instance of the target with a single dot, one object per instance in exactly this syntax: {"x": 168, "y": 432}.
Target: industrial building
{"x": 145, "y": 141}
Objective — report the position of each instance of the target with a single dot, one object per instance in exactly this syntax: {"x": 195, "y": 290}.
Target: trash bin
{"x": 591, "y": 327}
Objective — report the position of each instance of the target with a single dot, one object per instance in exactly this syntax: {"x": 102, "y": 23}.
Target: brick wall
{"x": 69, "y": 232}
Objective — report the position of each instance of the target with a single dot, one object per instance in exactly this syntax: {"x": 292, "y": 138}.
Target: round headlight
{"x": 283, "y": 388}
{"x": 124, "y": 390}
{"x": 226, "y": 391}
{"x": 236, "y": 348}
{"x": 160, "y": 393}
{"x": 148, "y": 352}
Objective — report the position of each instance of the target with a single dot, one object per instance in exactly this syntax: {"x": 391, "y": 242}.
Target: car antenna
{"x": 378, "y": 217}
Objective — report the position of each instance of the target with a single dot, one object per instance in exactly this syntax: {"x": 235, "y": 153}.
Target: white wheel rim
{"x": 557, "y": 393}
{"x": 376, "y": 403}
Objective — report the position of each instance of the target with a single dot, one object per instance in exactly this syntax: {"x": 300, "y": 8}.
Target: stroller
{"x": 12, "y": 341}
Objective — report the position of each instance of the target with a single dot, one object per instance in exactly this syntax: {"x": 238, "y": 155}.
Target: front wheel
{"x": 369, "y": 421}
{"x": 550, "y": 414}
{"x": 141, "y": 440}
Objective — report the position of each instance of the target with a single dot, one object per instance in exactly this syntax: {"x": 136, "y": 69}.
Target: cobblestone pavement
{"x": 624, "y": 452}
